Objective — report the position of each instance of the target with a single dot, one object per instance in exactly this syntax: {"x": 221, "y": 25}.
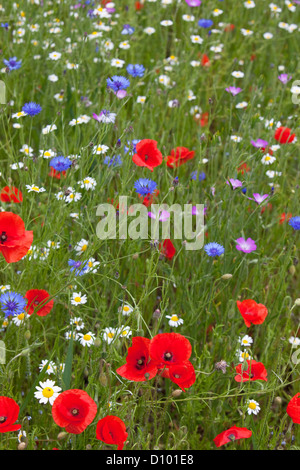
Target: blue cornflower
{"x": 136, "y": 70}
{"x": 12, "y": 303}
{"x": 144, "y": 186}
{"x": 60, "y": 163}
{"x": 5, "y": 25}
{"x": 113, "y": 161}
{"x": 117, "y": 83}
{"x": 31, "y": 108}
{"x": 78, "y": 267}
{"x": 127, "y": 29}
{"x": 13, "y": 63}
{"x": 295, "y": 222}
{"x": 132, "y": 146}
{"x": 205, "y": 23}
{"x": 201, "y": 176}
{"x": 214, "y": 249}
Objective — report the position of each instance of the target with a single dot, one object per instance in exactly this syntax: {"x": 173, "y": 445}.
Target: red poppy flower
{"x": 232, "y": 434}
{"x": 147, "y": 154}
{"x": 138, "y": 361}
{"x": 285, "y": 217}
{"x": 169, "y": 349}
{"x": 283, "y": 135}
{"x": 229, "y": 27}
{"x": 182, "y": 374}
{"x": 255, "y": 371}
{"x": 179, "y": 156}
{"x": 9, "y": 412}
{"x": 57, "y": 174}
{"x": 139, "y": 5}
{"x": 293, "y": 409}
{"x": 252, "y": 312}
{"x": 243, "y": 168}
{"x": 74, "y": 410}
{"x": 205, "y": 61}
{"x": 168, "y": 249}
{"x": 15, "y": 241}
{"x": 36, "y": 302}
{"x": 112, "y": 430}
{"x": 148, "y": 200}
{"x": 11, "y": 194}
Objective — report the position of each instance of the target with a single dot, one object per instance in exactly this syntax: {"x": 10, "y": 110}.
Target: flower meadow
{"x": 142, "y": 344}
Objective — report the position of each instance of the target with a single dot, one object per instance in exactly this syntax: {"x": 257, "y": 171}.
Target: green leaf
{"x": 66, "y": 378}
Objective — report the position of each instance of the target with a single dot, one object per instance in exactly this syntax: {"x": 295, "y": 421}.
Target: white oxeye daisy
{"x": 246, "y": 341}
{"x": 49, "y": 128}
{"x": 268, "y": 159}
{"x": 109, "y": 334}
{"x": 125, "y": 332}
{"x": 4, "y": 288}
{"x": 174, "y": 320}
{"x": 249, "y": 4}
{"x": 196, "y": 39}
{"x": 86, "y": 339}
{"x": 141, "y": 99}
{"x": 68, "y": 335}
{"x": 294, "y": 341}
{"x": 21, "y": 435}
{"x": 78, "y": 299}
{"x": 92, "y": 265}
{"x": 81, "y": 246}
{"x": 27, "y": 150}
{"x": 126, "y": 310}
{"x": 34, "y": 188}
{"x": 235, "y": 138}
{"x": 47, "y": 392}
{"x": 19, "y": 319}
{"x": 253, "y": 407}
{"x": 237, "y": 74}
{"x": 78, "y": 322}
{"x": 54, "y": 55}
{"x": 100, "y": 149}
{"x": 47, "y": 153}
{"x": 50, "y": 366}
{"x": 18, "y": 115}
{"x": 243, "y": 355}
{"x": 117, "y": 63}
{"x": 52, "y": 244}
{"x": 242, "y": 105}
{"x": 88, "y": 183}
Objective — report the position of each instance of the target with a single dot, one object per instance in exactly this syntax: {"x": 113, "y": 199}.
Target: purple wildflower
{"x": 245, "y": 245}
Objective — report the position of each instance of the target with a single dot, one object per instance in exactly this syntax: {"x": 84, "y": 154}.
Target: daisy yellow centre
{"x": 110, "y": 334}
{"x": 47, "y": 154}
{"x": 124, "y": 333}
{"x": 245, "y": 355}
{"x": 21, "y": 316}
{"x": 174, "y": 318}
{"x": 47, "y": 392}
{"x": 245, "y": 341}
{"x": 126, "y": 308}
{"x": 87, "y": 337}
{"x": 267, "y": 159}
{"x": 77, "y": 299}
{"x": 71, "y": 196}
{"x": 252, "y": 406}
{"x": 84, "y": 247}
{"x": 35, "y": 188}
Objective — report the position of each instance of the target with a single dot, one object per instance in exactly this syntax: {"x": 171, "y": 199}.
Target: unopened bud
{"x": 297, "y": 302}
{"x": 88, "y": 447}
{"x": 22, "y": 446}
{"x": 97, "y": 342}
{"x": 292, "y": 270}
{"x": 147, "y": 375}
{"x": 27, "y": 335}
{"x": 278, "y": 401}
{"x": 176, "y": 393}
{"x": 25, "y": 352}
{"x": 62, "y": 435}
{"x": 226, "y": 276}
{"x": 103, "y": 379}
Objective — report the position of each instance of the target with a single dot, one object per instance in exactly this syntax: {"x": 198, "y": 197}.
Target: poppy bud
{"x": 176, "y": 393}
{"x": 61, "y": 435}
{"x": 103, "y": 379}
{"x": 278, "y": 401}
{"x": 292, "y": 270}
{"x": 88, "y": 447}
{"x": 147, "y": 375}
{"x": 22, "y": 446}
{"x": 25, "y": 352}
{"x": 27, "y": 334}
{"x": 226, "y": 276}
{"x": 97, "y": 342}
